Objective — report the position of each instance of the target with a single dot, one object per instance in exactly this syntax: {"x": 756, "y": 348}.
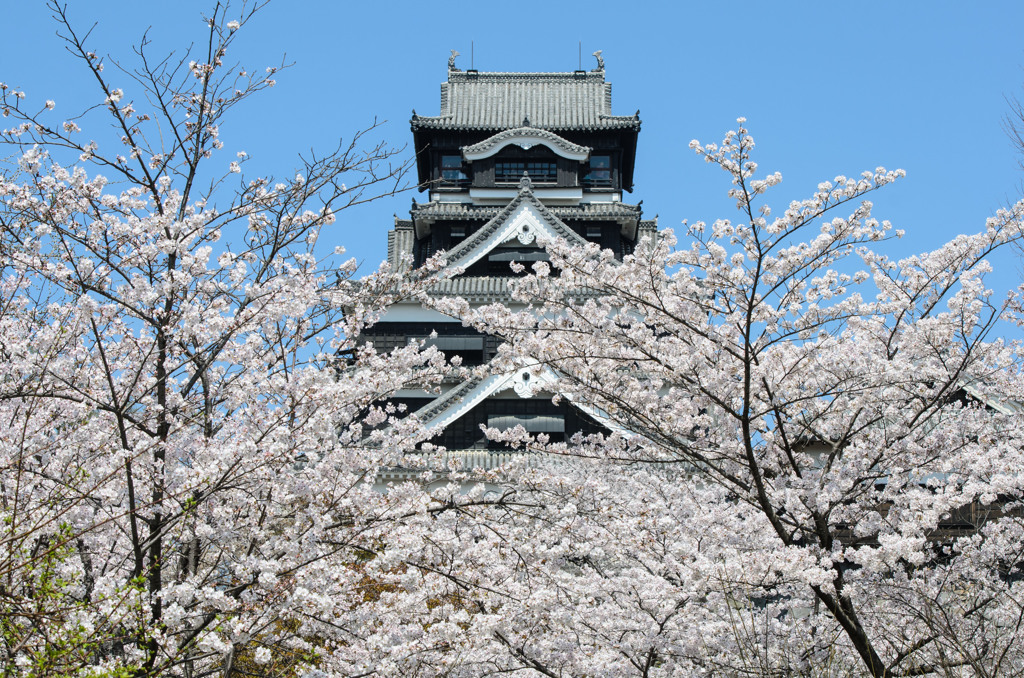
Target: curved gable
{"x": 526, "y": 138}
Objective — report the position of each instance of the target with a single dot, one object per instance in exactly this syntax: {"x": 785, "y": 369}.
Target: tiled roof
{"x": 456, "y": 211}
{"x": 450, "y": 399}
{"x": 647, "y": 227}
{"x": 486, "y": 289}
{"x": 402, "y": 238}
{"x": 553, "y": 101}
{"x": 474, "y": 289}
{"x": 400, "y": 241}
{"x": 467, "y": 460}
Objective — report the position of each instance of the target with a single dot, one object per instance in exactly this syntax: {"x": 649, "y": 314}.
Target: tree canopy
{"x": 811, "y": 465}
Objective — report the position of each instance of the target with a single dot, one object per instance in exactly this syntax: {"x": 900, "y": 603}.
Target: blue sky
{"x": 827, "y": 88}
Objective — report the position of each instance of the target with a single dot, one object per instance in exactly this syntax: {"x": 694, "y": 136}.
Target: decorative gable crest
{"x": 525, "y": 384}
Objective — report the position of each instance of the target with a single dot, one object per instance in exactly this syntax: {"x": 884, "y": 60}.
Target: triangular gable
{"x": 526, "y": 382}
{"x": 1001, "y": 405}
{"x": 525, "y": 219}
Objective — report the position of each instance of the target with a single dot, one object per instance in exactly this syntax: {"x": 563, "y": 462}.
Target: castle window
{"x": 533, "y": 423}
{"x": 451, "y": 169}
{"x": 499, "y": 260}
{"x": 540, "y": 171}
{"x": 470, "y": 349}
{"x": 600, "y": 171}
{"x": 458, "y": 234}
{"x": 518, "y": 254}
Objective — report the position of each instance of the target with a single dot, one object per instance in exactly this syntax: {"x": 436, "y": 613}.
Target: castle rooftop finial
{"x": 600, "y": 60}
{"x": 451, "y": 61}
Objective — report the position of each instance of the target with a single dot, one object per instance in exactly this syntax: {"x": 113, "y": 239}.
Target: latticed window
{"x": 450, "y": 338}
{"x": 499, "y": 260}
{"x": 536, "y": 415}
{"x": 533, "y": 423}
{"x": 540, "y": 171}
{"x": 523, "y": 254}
{"x": 470, "y": 349}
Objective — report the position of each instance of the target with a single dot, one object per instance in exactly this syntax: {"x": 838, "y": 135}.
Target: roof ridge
{"x": 586, "y": 208}
{"x": 556, "y": 101}
{"x": 573, "y": 76}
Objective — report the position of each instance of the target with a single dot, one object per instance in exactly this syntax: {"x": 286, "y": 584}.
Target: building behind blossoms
{"x": 511, "y": 159}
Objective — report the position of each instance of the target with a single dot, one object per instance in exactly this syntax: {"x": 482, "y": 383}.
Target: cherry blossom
{"x": 815, "y": 456}
{"x": 190, "y": 437}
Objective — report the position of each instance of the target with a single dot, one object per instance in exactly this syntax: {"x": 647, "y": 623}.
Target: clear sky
{"x": 827, "y": 87}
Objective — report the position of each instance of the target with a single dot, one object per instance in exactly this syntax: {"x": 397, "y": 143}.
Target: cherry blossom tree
{"x": 814, "y": 455}
{"x": 189, "y": 438}
{"x": 812, "y": 465}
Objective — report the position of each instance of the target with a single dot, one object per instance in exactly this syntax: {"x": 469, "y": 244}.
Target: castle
{"x": 512, "y": 158}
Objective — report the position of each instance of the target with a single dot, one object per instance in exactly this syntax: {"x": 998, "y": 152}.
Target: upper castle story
{"x": 556, "y": 127}
{"x": 511, "y": 162}
{"x": 502, "y": 143}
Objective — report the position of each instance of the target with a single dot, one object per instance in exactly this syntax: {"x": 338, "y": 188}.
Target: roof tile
{"x": 554, "y": 101}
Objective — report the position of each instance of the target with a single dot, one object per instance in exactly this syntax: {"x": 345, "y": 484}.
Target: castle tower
{"x": 512, "y": 157}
